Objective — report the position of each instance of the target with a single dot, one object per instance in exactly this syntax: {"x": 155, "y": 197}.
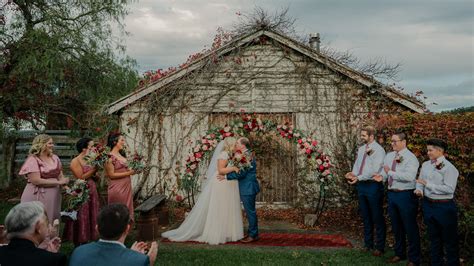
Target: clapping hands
{"x": 351, "y": 178}
{"x": 151, "y": 252}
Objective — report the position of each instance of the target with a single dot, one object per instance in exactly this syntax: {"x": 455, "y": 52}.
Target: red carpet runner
{"x": 294, "y": 240}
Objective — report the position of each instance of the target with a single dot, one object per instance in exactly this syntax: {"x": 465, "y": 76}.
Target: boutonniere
{"x": 439, "y": 165}
{"x": 369, "y": 151}
{"x": 399, "y": 159}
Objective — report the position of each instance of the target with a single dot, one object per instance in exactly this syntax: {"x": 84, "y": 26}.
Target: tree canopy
{"x": 61, "y": 61}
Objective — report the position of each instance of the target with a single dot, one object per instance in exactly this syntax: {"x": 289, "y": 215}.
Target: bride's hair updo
{"x": 229, "y": 144}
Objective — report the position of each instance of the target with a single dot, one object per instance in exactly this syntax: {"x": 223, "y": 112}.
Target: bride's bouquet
{"x": 241, "y": 160}
{"x": 74, "y": 197}
{"x": 97, "y": 156}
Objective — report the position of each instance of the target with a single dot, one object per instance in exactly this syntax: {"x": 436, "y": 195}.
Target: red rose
{"x": 243, "y": 160}
{"x": 300, "y": 141}
{"x": 308, "y": 151}
{"x": 78, "y": 190}
{"x": 302, "y": 147}
{"x": 198, "y": 155}
{"x": 321, "y": 168}
{"x": 314, "y": 143}
{"x": 290, "y": 136}
{"x": 179, "y": 198}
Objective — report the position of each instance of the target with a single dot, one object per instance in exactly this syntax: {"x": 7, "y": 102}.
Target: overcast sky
{"x": 433, "y": 40}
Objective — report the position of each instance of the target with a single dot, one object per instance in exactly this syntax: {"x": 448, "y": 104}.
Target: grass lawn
{"x": 181, "y": 254}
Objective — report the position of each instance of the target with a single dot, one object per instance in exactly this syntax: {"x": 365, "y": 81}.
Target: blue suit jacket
{"x": 248, "y": 184}
{"x": 105, "y": 254}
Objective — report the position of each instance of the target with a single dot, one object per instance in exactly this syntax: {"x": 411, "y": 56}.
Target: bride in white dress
{"x": 217, "y": 217}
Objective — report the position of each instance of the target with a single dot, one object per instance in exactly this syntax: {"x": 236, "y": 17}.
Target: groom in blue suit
{"x": 249, "y": 188}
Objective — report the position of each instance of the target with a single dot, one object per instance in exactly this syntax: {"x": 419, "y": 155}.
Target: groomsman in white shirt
{"x": 368, "y": 163}
{"x": 437, "y": 183}
{"x": 400, "y": 170}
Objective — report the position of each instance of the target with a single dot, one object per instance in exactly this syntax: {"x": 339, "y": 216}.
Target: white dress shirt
{"x": 404, "y": 176}
{"x": 440, "y": 183}
{"x": 373, "y": 162}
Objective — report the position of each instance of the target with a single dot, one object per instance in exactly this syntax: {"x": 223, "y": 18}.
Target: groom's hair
{"x": 245, "y": 141}
{"x": 112, "y": 221}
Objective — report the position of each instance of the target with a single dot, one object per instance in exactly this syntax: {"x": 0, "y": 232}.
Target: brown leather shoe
{"x": 394, "y": 259}
{"x": 249, "y": 239}
{"x": 377, "y": 253}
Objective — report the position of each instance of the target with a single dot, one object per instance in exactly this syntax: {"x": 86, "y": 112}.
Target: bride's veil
{"x": 212, "y": 169}
{"x": 193, "y": 225}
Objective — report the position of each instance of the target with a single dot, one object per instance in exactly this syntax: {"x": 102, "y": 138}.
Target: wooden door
{"x": 276, "y": 160}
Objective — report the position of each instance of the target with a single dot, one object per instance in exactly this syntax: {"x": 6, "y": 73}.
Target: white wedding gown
{"x": 217, "y": 217}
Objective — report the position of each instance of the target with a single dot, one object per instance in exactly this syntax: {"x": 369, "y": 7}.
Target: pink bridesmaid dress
{"x": 83, "y": 230}
{"x": 120, "y": 189}
{"x": 49, "y": 196}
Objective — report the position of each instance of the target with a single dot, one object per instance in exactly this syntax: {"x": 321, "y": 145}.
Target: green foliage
{"x": 460, "y": 110}
{"x": 60, "y": 62}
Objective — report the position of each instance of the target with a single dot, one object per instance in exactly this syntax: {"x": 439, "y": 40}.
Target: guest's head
{"x": 242, "y": 143}
{"x": 27, "y": 220}
{"x": 113, "y": 222}
{"x": 436, "y": 148}
{"x": 367, "y": 134}
{"x": 229, "y": 144}
{"x": 42, "y": 144}
{"x": 84, "y": 145}
{"x": 399, "y": 141}
{"x": 116, "y": 140}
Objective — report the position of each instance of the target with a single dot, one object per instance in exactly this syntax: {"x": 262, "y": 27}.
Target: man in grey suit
{"x": 114, "y": 224}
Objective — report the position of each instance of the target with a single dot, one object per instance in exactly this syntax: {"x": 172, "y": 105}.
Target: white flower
{"x": 279, "y": 126}
{"x": 318, "y": 161}
{"x": 297, "y": 135}
{"x": 205, "y": 147}
{"x": 326, "y": 173}
{"x": 193, "y": 166}
{"x": 240, "y": 125}
{"x": 322, "y": 180}
{"x": 326, "y": 165}
{"x": 197, "y": 148}
{"x": 226, "y": 129}
{"x": 284, "y": 127}
{"x": 192, "y": 159}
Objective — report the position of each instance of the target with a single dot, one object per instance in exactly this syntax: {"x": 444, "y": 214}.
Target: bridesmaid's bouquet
{"x": 74, "y": 197}
{"x": 136, "y": 162}
{"x": 241, "y": 160}
{"x": 97, "y": 156}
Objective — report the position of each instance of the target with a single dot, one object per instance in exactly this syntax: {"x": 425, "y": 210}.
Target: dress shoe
{"x": 249, "y": 239}
{"x": 395, "y": 259}
{"x": 377, "y": 253}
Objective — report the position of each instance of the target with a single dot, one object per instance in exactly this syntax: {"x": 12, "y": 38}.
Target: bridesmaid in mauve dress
{"x": 43, "y": 171}
{"x": 83, "y": 230}
{"x": 120, "y": 183}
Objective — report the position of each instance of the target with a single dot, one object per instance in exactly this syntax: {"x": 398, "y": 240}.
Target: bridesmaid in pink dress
{"x": 120, "y": 183}
{"x": 83, "y": 230}
{"x": 43, "y": 171}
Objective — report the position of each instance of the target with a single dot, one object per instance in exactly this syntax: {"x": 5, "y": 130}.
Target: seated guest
{"x": 114, "y": 225}
{"x": 27, "y": 226}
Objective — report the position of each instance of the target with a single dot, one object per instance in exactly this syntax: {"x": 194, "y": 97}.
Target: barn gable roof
{"x": 332, "y": 64}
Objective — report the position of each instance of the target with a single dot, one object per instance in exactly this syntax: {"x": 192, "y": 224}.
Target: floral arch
{"x": 316, "y": 161}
